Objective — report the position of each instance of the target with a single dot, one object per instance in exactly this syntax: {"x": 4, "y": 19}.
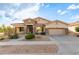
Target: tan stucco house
{"x": 39, "y": 24}
{"x": 72, "y": 27}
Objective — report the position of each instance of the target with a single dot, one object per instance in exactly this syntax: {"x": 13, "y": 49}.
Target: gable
{"x": 41, "y": 20}
{"x": 56, "y": 24}
{"x": 29, "y": 21}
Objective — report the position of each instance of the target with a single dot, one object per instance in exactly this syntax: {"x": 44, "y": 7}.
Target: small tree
{"x": 9, "y": 30}
{"x": 77, "y": 29}
{"x": 4, "y": 28}
{"x": 1, "y": 30}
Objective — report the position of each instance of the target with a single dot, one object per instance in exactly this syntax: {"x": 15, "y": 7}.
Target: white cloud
{"x": 2, "y": 13}
{"x": 58, "y": 11}
{"x": 16, "y": 4}
{"x": 27, "y": 12}
{"x": 42, "y": 4}
{"x": 75, "y": 17}
{"x": 73, "y": 7}
{"x": 63, "y": 12}
{"x": 70, "y": 7}
{"x": 13, "y": 16}
{"x": 47, "y": 5}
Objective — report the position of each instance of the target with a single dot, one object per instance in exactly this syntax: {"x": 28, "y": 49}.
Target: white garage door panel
{"x": 56, "y": 31}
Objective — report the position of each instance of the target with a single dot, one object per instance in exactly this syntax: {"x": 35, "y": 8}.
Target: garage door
{"x": 56, "y": 31}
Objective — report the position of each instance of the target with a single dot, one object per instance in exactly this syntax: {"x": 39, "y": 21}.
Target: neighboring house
{"x": 72, "y": 27}
{"x": 39, "y": 24}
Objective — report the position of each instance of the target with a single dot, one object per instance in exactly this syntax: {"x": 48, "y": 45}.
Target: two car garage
{"x": 57, "y": 31}
{"x": 57, "y": 28}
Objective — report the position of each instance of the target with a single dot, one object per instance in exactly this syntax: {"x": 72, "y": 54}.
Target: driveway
{"x": 68, "y": 45}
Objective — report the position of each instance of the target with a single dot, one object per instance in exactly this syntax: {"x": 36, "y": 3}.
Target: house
{"x": 72, "y": 27}
{"x": 41, "y": 25}
{"x": 31, "y": 25}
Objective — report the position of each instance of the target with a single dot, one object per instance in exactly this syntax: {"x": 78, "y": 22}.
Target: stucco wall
{"x": 72, "y": 30}
{"x": 56, "y": 25}
{"x": 18, "y": 31}
{"x": 41, "y": 21}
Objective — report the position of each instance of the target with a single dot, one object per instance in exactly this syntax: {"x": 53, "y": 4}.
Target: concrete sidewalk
{"x": 27, "y": 42}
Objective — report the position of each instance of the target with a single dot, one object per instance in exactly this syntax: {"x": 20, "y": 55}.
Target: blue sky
{"x": 16, "y": 12}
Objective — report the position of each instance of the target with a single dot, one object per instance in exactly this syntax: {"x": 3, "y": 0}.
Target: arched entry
{"x": 30, "y": 28}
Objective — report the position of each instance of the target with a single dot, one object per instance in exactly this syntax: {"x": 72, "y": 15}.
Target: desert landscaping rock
{"x": 28, "y": 49}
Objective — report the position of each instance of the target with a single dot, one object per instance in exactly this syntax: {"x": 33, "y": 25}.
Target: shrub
{"x": 15, "y": 36}
{"x": 77, "y": 29}
{"x": 29, "y": 36}
{"x": 1, "y": 38}
{"x": 43, "y": 33}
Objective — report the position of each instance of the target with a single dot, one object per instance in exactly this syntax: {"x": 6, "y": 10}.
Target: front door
{"x": 30, "y": 28}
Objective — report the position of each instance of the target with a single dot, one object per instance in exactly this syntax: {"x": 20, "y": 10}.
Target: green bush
{"x": 1, "y": 38}
{"x": 29, "y": 36}
{"x": 15, "y": 36}
{"x": 77, "y": 29}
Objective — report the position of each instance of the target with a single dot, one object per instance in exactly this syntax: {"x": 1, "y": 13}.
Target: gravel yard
{"x": 31, "y": 47}
{"x": 41, "y": 44}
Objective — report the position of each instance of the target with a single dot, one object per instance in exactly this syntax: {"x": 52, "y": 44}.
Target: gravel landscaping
{"x": 41, "y": 44}
{"x": 23, "y": 49}
{"x": 39, "y": 38}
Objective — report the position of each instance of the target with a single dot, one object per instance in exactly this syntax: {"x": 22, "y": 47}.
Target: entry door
{"x": 30, "y": 28}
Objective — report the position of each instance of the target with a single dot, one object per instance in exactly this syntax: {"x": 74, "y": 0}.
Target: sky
{"x": 16, "y": 12}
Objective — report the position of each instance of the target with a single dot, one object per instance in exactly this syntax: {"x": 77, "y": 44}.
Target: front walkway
{"x": 67, "y": 44}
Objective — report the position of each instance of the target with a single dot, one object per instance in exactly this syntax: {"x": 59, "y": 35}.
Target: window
{"x": 21, "y": 29}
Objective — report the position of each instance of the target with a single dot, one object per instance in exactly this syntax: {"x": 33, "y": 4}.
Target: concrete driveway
{"x": 68, "y": 45}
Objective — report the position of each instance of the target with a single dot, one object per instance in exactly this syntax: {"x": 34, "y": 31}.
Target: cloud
{"x": 73, "y": 7}
{"x": 62, "y": 12}
{"x": 17, "y": 14}
{"x": 58, "y": 11}
{"x": 69, "y": 8}
{"x": 75, "y": 17}
{"x": 16, "y": 4}
{"x": 42, "y": 4}
{"x": 2, "y": 13}
{"x": 47, "y": 5}
{"x": 28, "y": 12}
